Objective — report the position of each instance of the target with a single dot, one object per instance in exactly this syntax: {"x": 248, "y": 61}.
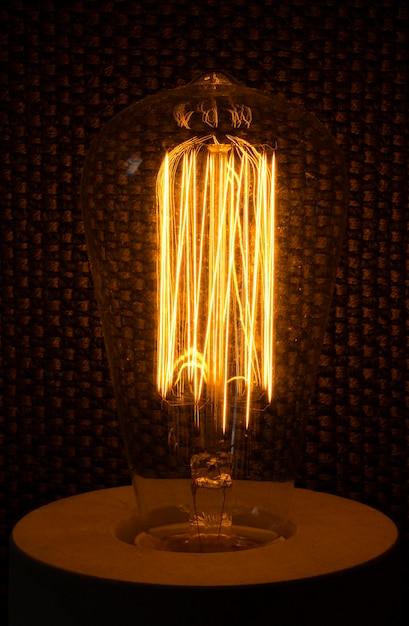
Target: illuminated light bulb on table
{"x": 214, "y": 216}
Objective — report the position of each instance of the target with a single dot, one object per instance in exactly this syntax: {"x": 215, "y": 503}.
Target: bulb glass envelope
{"x": 214, "y": 216}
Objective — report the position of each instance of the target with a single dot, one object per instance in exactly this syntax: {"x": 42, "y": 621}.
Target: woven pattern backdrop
{"x": 66, "y": 69}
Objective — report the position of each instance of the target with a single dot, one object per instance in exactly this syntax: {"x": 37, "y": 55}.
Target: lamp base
{"x": 70, "y": 565}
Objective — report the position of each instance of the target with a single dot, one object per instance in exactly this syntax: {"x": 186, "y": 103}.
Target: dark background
{"x": 66, "y": 69}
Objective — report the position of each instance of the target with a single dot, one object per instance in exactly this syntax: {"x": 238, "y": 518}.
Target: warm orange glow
{"x": 216, "y": 204}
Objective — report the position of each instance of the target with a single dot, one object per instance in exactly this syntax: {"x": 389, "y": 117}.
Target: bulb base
{"x": 73, "y": 562}
{"x": 184, "y": 538}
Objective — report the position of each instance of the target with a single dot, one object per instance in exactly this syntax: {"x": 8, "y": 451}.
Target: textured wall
{"x": 68, "y": 67}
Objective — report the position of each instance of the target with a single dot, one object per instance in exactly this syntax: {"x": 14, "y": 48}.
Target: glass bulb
{"x": 214, "y": 215}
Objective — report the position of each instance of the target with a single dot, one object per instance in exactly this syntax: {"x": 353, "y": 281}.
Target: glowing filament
{"x": 216, "y": 276}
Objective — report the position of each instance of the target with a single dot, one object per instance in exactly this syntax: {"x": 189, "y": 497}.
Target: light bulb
{"x": 214, "y": 215}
